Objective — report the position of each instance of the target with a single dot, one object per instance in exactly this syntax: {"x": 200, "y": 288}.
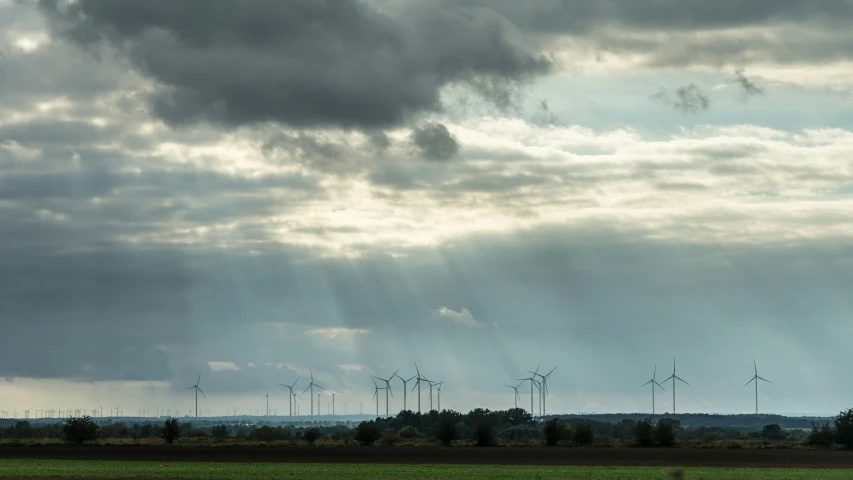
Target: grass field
{"x": 227, "y": 471}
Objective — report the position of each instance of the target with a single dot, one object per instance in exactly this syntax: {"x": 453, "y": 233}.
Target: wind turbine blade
{"x": 199, "y": 378}
{"x": 415, "y": 386}
{"x": 202, "y": 393}
{"x": 768, "y": 381}
{"x": 318, "y": 386}
{"x": 294, "y": 383}
{"x": 549, "y": 373}
{"x": 750, "y": 381}
{"x": 654, "y": 375}
{"x": 661, "y": 386}
{"x": 395, "y": 373}
{"x": 756, "y": 367}
{"x": 650, "y": 381}
{"x": 306, "y": 389}
{"x": 416, "y": 369}
{"x": 409, "y": 380}
{"x": 679, "y": 378}
{"x": 190, "y": 388}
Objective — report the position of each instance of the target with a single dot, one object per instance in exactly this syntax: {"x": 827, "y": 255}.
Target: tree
{"x": 447, "y": 428}
{"x": 219, "y": 431}
{"x": 822, "y": 436}
{"x": 552, "y": 431}
{"x": 80, "y": 429}
{"x": 844, "y": 429}
{"x": 171, "y": 430}
{"x": 367, "y": 433}
{"x": 409, "y": 431}
{"x": 644, "y": 433}
{"x": 484, "y": 434}
{"x": 773, "y": 432}
{"x": 311, "y": 435}
{"x": 583, "y": 434}
{"x": 665, "y": 433}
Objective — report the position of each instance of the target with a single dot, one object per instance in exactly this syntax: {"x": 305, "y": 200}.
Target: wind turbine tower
{"x": 311, "y": 398}
{"x": 517, "y": 396}
{"x": 654, "y": 382}
{"x": 543, "y": 391}
{"x": 674, "y": 377}
{"x": 290, "y": 398}
{"x": 755, "y": 379}
{"x": 405, "y": 389}
{"x": 387, "y": 390}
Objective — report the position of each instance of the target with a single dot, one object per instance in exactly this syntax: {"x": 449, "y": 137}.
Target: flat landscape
{"x": 22, "y": 469}
{"x": 611, "y": 457}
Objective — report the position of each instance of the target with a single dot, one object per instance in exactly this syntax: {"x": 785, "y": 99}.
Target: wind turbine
{"x": 197, "y": 389}
{"x": 387, "y": 390}
{"x": 311, "y": 398}
{"x": 290, "y": 387}
{"x": 654, "y": 382}
{"x": 674, "y": 377}
{"x": 517, "y": 396}
{"x": 376, "y": 394}
{"x": 419, "y": 379}
{"x": 405, "y": 389}
{"x": 544, "y": 390}
{"x": 755, "y": 379}
{"x": 267, "y": 396}
{"x": 318, "y": 403}
{"x": 333, "y": 403}
{"x": 439, "y": 384}
{"x": 532, "y": 380}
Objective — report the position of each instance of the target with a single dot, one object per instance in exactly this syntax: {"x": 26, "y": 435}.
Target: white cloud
{"x": 220, "y": 366}
{"x": 462, "y": 317}
{"x": 337, "y": 332}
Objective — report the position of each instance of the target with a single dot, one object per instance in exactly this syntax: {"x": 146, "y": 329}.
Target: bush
{"x": 409, "y": 431}
{"x": 644, "y": 433}
{"x": 367, "y": 432}
{"x": 773, "y": 432}
{"x": 552, "y": 431}
{"x": 844, "y": 429}
{"x": 447, "y": 429}
{"x": 484, "y": 434}
{"x": 219, "y": 431}
{"x": 267, "y": 433}
{"x": 388, "y": 440}
{"x": 665, "y": 433}
{"x": 822, "y": 436}
{"x": 311, "y": 435}
{"x": 171, "y": 430}
{"x": 583, "y": 434}
{"x": 80, "y": 429}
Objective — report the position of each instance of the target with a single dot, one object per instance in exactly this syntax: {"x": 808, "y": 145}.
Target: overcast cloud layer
{"x": 253, "y": 190}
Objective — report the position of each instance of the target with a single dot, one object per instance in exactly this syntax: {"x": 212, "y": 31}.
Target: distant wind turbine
{"x": 197, "y": 390}
{"x": 311, "y": 398}
{"x": 387, "y": 390}
{"x": 405, "y": 388}
{"x": 544, "y": 390}
{"x": 532, "y": 380}
{"x": 376, "y": 394}
{"x": 290, "y": 387}
{"x": 654, "y": 382}
{"x": 517, "y": 396}
{"x": 418, "y": 381}
{"x": 674, "y": 377}
{"x": 755, "y": 379}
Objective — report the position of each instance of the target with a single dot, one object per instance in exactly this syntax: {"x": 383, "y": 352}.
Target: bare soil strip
{"x": 768, "y": 458}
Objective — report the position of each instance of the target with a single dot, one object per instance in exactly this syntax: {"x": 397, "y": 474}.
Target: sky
{"x": 258, "y": 191}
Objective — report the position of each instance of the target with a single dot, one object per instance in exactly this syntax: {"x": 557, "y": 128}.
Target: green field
{"x": 223, "y": 471}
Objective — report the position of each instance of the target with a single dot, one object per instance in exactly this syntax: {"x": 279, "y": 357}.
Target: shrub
{"x": 773, "y": 432}
{"x": 644, "y": 433}
{"x": 311, "y": 435}
{"x": 171, "y": 430}
{"x": 267, "y": 433}
{"x": 665, "y": 433}
{"x": 844, "y": 429}
{"x": 447, "y": 429}
{"x": 552, "y": 431}
{"x": 367, "y": 432}
{"x": 80, "y": 429}
{"x": 822, "y": 436}
{"x": 409, "y": 431}
{"x": 583, "y": 434}
{"x": 388, "y": 440}
{"x": 219, "y": 431}
{"x": 484, "y": 434}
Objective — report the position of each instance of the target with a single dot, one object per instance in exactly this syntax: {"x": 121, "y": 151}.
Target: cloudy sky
{"x": 256, "y": 190}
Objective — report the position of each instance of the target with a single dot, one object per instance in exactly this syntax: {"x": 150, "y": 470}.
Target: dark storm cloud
{"x": 567, "y": 16}
{"x": 304, "y": 63}
{"x": 687, "y": 99}
{"x": 435, "y": 142}
{"x": 748, "y": 86}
